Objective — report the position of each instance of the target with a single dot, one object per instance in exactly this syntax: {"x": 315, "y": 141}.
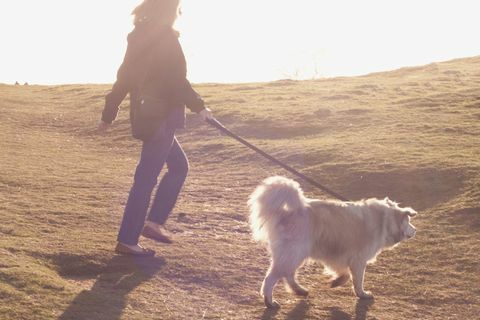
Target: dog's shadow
{"x": 361, "y": 311}
{"x": 301, "y": 312}
{"x": 107, "y": 297}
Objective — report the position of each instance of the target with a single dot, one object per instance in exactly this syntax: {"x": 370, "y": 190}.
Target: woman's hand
{"x": 206, "y": 114}
{"x": 103, "y": 127}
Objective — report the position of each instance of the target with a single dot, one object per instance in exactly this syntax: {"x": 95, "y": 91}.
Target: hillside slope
{"x": 412, "y": 134}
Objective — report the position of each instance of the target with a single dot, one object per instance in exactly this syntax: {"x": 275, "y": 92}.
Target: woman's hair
{"x": 163, "y": 12}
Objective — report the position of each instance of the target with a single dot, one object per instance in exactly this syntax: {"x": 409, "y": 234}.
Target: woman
{"x": 154, "y": 66}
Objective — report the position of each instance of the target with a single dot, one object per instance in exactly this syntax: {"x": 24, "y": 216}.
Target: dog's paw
{"x": 365, "y": 295}
{"x": 339, "y": 281}
{"x": 272, "y": 305}
{"x": 301, "y": 292}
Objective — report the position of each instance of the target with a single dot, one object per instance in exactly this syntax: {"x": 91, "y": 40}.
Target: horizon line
{"x": 27, "y": 83}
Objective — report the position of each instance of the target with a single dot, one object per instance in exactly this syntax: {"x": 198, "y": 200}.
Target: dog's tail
{"x": 273, "y": 200}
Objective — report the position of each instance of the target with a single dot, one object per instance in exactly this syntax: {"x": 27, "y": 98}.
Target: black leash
{"x": 219, "y": 126}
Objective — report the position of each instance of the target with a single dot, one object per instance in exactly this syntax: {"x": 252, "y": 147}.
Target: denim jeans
{"x": 162, "y": 149}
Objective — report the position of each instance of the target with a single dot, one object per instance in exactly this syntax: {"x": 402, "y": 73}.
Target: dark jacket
{"x": 154, "y": 65}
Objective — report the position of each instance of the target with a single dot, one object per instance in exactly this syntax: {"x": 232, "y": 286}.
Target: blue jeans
{"x": 162, "y": 149}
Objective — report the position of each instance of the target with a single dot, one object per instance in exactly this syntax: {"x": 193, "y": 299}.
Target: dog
{"x": 343, "y": 236}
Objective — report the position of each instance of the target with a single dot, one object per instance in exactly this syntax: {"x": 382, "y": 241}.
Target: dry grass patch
{"x": 411, "y": 134}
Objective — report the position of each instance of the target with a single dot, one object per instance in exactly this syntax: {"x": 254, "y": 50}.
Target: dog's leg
{"x": 289, "y": 268}
{"x": 269, "y": 283}
{"x": 358, "y": 272}
{"x": 293, "y": 284}
{"x": 340, "y": 280}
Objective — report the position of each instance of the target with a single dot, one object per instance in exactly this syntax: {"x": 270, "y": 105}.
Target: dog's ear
{"x": 410, "y": 212}
{"x": 389, "y": 202}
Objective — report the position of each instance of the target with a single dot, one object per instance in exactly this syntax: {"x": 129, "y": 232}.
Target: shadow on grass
{"x": 107, "y": 297}
{"x": 361, "y": 311}
{"x": 301, "y": 312}
{"x": 469, "y": 217}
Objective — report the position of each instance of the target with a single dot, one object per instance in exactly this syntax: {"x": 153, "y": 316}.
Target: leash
{"x": 215, "y": 123}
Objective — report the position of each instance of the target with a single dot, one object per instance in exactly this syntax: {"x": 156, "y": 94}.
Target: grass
{"x": 412, "y": 134}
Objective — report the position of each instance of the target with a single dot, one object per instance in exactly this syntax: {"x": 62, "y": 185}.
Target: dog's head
{"x": 398, "y": 226}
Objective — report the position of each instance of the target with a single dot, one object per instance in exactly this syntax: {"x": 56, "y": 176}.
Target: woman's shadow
{"x": 107, "y": 297}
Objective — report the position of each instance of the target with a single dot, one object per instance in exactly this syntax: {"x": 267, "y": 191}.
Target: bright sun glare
{"x": 58, "y": 41}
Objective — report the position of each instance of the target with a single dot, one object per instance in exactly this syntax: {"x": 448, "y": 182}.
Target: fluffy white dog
{"x": 344, "y": 236}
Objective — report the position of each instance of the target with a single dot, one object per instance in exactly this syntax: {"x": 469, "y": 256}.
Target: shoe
{"x": 155, "y": 234}
{"x": 123, "y": 249}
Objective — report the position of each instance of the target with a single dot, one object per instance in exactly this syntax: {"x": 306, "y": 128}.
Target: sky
{"x": 83, "y": 41}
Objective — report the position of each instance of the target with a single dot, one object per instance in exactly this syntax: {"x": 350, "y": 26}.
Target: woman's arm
{"x": 182, "y": 88}
{"x": 113, "y": 99}
{"x": 191, "y": 98}
{"x": 128, "y": 75}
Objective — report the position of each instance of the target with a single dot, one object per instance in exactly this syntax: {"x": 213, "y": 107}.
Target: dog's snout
{"x": 411, "y": 231}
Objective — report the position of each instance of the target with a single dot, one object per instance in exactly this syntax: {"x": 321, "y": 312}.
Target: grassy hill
{"x": 412, "y": 134}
